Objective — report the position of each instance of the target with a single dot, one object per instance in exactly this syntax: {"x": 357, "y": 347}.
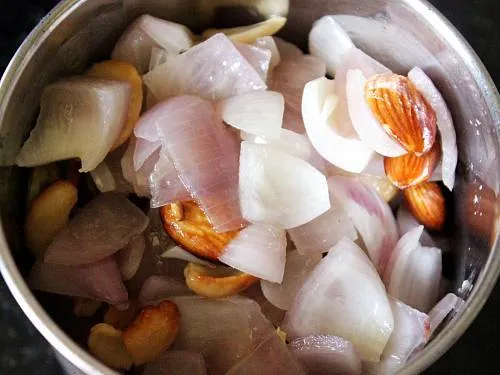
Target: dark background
{"x": 24, "y": 351}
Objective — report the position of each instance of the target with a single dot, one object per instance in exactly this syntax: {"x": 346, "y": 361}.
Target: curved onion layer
{"x": 411, "y": 333}
{"x": 414, "y": 272}
{"x": 259, "y": 113}
{"x": 322, "y": 233}
{"x": 259, "y": 58}
{"x": 158, "y": 57}
{"x": 100, "y": 229}
{"x": 269, "y": 43}
{"x": 100, "y": 281}
{"x": 258, "y": 250}
{"x": 177, "y": 252}
{"x": 369, "y": 130}
{"x": 279, "y": 189}
{"x": 158, "y": 287}
{"x": 323, "y": 354}
{"x": 108, "y": 176}
{"x": 329, "y": 41}
{"x": 136, "y": 43}
{"x": 130, "y": 257}
{"x": 177, "y": 362}
{"x": 139, "y": 178}
{"x": 344, "y": 296}
{"x": 440, "y": 311}
{"x": 213, "y": 69}
{"x": 297, "y": 269}
{"x": 444, "y": 122}
{"x": 407, "y": 222}
{"x": 318, "y": 104}
{"x": 371, "y": 216}
{"x": 79, "y": 118}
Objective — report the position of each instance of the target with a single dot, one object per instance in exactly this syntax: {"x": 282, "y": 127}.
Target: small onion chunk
{"x": 440, "y": 311}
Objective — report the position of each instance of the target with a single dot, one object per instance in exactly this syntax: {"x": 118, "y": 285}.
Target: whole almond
{"x": 410, "y": 169}
{"x": 402, "y": 111}
{"x": 426, "y": 202}
{"x": 186, "y": 223}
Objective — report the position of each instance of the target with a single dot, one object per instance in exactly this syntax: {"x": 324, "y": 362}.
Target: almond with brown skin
{"x": 402, "y": 111}
{"x": 426, "y": 202}
{"x": 410, "y": 169}
{"x": 186, "y": 223}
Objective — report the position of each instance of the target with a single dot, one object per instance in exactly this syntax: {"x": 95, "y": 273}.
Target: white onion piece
{"x": 139, "y": 178}
{"x": 286, "y": 49}
{"x": 407, "y": 222}
{"x": 279, "y": 189}
{"x": 259, "y": 58}
{"x": 375, "y": 167}
{"x": 142, "y": 150}
{"x": 259, "y": 250}
{"x": 177, "y": 252}
{"x": 259, "y": 113}
{"x": 444, "y": 123}
{"x": 213, "y": 69}
{"x": 329, "y": 41}
{"x": 323, "y": 354}
{"x": 364, "y": 122}
{"x": 269, "y": 43}
{"x": 411, "y": 333}
{"x": 100, "y": 229}
{"x": 344, "y": 296}
{"x": 177, "y": 362}
{"x": 158, "y": 57}
{"x": 100, "y": 281}
{"x": 440, "y": 311}
{"x": 103, "y": 178}
{"x": 136, "y": 43}
{"x": 322, "y": 233}
{"x": 297, "y": 269}
{"x": 437, "y": 174}
{"x": 108, "y": 176}
{"x": 271, "y": 312}
{"x": 79, "y": 118}
{"x": 129, "y": 258}
{"x": 370, "y": 215}
{"x": 158, "y": 287}
{"x": 318, "y": 104}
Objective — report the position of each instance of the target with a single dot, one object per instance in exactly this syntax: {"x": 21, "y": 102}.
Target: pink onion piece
{"x": 268, "y": 42}
{"x": 368, "y": 128}
{"x": 259, "y": 58}
{"x": 259, "y": 250}
{"x": 100, "y": 229}
{"x": 177, "y": 362}
{"x": 322, "y": 233}
{"x": 139, "y": 178}
{"x": 407, "y": 222}
{"x": 129, "y": 258}
{"x": 271, "y": 312}
{"x": 322, "y": 354}
{"x": 371, "y": 216}
{"x": 213, "y": 69}
{"x": 344, "y": 296}
{"x": 158, "y": 57}
{"x": 159, "y": 287}
{"x": 411, "y": 333}
{"x": 287, "y": 50}
{"x": 143, "y": 149}
{"x": 145, "y": 33}
{"x": 279, "y": 189}
{"x": 319, "y": 103}
{"x": 100, "y": 281}
{"x": 444, "y": 123}
{"x": 440, "y": 311}
{"x": 297, "y": 269}
{"x": 79, "y": 118}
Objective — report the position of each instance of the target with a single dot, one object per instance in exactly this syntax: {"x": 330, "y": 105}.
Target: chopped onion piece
{"x": 103, "y": 178}
{"x": 79, "y": 118}
{"x": 259, "y": 113}
{"x": 279, "y": 189}
{"x": 323, "y": 354}
{"x": 345, "y": 297}
{"x": 139, "y": 178}
{"x": 444, "y": 123}
{"x": 259, "y": 58}
{"x": 177, "y": 362}
{"x": 158, "y": 57}
{"x": 130, "y": 257}
{"x": 158, "y": 287}
{"x": 364, "y": 122}
{"x": 258, "y": 250}
{"x": 136, "y": 43}
{"x": 269, "y": 43}
{"x": 177, "y": 252}
{"x": 318, "y": 104}
{"x": 440, "y": 311}
{"x": 329, "y": 41}
{"x": 108, "y": 176}
{"x": 407, "y": 222}
{"x": 297, "y": 269}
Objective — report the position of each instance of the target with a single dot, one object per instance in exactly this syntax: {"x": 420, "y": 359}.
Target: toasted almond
{"x": 411, "y": 169}
{"x": 106, "y": 343}
{"x": 189, "y": 227}
{"x": 152, "y": 332}
{"x": 120, "y": 319}
{"x": 122, "y": 71}
{"x": 426, "y": 202}
{"x": 216, "y": 282}
{"x": 402, "y": 111}
{"x": 248, "y": 34}
{"x": 85, "y": 308}
{"x": 48, "y": 215}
